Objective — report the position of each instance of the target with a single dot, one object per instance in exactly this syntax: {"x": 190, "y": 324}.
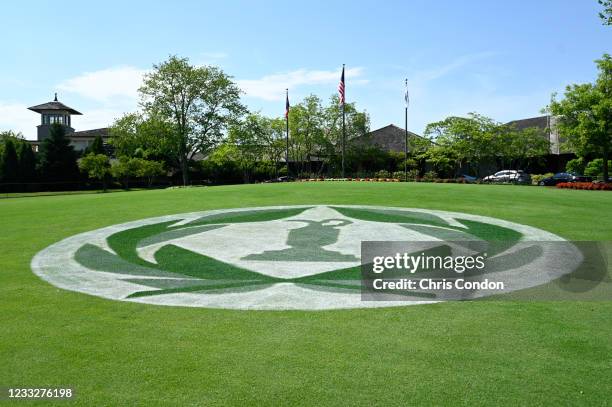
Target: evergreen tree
{"x": 10, "y": 162}
{"x": 57, "y": 157}
{"x": 97, "y": 147}
{"x": 27, "y": 163}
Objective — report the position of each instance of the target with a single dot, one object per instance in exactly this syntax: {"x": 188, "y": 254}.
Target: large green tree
{"x": 199, "y": 101}
{"x": 584, "y": 115}
{"x": 316, "y": 131}
{"x": 357, "y": 124}
{"x": 57, "y": 157}
{"x": 306, "y": 132}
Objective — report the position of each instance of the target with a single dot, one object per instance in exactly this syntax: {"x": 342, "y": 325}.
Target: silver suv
{"x": 510, "y": 176}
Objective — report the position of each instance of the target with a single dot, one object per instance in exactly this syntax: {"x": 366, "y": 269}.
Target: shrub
{"x": 536, "y": 178}
{"x": 430, "y": 176}
{"x": 382, "y": 174}
{"x": 399, "y": 175}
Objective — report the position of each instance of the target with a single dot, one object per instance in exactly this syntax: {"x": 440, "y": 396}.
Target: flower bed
{"x": 591, "y": 186}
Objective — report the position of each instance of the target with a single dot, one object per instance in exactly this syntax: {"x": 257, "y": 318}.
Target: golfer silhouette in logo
{"x": 307, "y": 243}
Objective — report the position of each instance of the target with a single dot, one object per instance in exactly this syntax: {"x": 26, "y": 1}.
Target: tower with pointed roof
{"x": 53, "y": 112}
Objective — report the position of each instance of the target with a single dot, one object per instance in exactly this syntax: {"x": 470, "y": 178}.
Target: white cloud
{"x": 209, "y": 58}
{"x": 454, "y": 65}
{"x": 106, "y": 85}
{"x": 97, "y": 118}
{"x": 17, "y": 117}
{"x": 272, "y": 87}
{"x": 109, "y": 93}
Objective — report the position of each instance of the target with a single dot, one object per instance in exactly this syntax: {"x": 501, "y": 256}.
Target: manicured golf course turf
{"x": 457, "y": 353}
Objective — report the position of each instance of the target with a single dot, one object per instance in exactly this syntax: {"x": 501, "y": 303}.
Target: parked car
{"x": 513, "y": 176}
{"x": 564, "y": 177}
{"x": 468, "y": 178}
{"x": 284, "y": 178}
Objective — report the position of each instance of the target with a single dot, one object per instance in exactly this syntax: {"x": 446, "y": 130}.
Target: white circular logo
{"x": 275, "y": 258}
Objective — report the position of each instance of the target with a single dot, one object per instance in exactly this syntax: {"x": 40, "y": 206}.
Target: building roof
{"x": 54, "y": 105}
{"x": 102, "y": 132}
{"x": 388, "y": 138}
{"x": 541, "y": 122}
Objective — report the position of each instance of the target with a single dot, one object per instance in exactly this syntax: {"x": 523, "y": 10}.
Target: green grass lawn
{"x": 456, "y": 353}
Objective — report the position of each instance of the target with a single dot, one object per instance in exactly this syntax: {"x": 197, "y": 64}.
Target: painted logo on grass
{"x": 290, "y": 257}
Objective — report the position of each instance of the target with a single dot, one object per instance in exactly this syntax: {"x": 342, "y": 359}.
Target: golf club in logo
{"x": 277, "y": 258}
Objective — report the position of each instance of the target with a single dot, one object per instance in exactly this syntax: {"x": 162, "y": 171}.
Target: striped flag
{"x": 287, "y": 105}
{"x": 341, "y": 87}
{"x": 406, "y": 96}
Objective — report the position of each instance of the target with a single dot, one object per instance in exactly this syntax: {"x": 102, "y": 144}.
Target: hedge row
{"x": 591, "y": 186}
{"x": 437, "y": 180}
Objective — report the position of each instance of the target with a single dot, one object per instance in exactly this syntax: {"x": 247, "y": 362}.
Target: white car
{"x": 513, "y": 176}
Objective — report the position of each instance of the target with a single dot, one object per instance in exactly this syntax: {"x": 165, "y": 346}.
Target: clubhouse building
{"x": 57, "y": 112}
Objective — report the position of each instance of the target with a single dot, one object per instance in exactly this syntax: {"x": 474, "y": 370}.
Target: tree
{"x": 306, "y": 131}
{"x": 148, "y": 169}
{"x": 524, "y": 144}
{"x": 462, "y": 141}
{"x": 199, "y": 103}
{"x": 595, "y": 168}
{"x": 576, "y": 165}
{"x": 357, "y": 124}
{"x": 443, "y": 158}
{"x": 585, "y": 115}
{"x": 123, "y": 169}
{"x": 97, "y": 147}
{"x": 606, "y": 13}
{"x": 57, "y": 157}
{"x": 10, "y": 162}
{"x": 27, "y": 162}
{"x": 134, "y": 135}
{"x": 221, "y": 165}
{"x": 251, "y": 137}
{"x": 97, "y": 166}
{"x": 276, "y": 142}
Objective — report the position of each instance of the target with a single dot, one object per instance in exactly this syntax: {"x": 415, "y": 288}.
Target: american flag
{"x": 287, "y": 105}
{"x": 341, "y": 87}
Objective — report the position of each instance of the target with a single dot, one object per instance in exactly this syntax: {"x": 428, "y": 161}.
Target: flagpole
{"x": 406, "y": 138}
{"x": 287, "y": 133}
{"x": 343, "y": 124}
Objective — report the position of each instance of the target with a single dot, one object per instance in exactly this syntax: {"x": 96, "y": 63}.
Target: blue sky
{"x": 501, "y": 59}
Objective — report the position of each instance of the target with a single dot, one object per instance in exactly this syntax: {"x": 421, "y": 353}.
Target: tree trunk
{"x": 185, "y": 170}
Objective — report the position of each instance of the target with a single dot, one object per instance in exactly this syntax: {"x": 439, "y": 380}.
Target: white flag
{"x": 406, "y": 96}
